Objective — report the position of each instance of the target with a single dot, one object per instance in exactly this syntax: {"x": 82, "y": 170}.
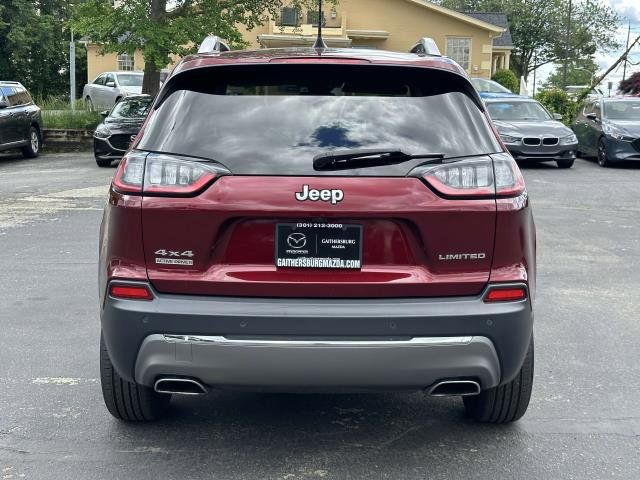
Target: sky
{"x": 628, "y": 11}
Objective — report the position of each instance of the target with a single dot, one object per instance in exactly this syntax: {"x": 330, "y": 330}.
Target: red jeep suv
{"x": 317, "y": 220}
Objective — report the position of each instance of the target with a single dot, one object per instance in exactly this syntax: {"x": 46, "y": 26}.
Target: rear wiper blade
{"x": 363, "y": 158}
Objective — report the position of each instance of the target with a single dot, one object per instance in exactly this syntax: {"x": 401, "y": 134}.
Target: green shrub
{"x": 558, "y": 101}
{"x": 507, "y": 79}
{"x": 67, "y": 119}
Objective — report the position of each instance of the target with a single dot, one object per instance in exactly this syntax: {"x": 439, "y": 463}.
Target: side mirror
{"x": 592, "y": 116}
{"x": 557, "y": 116}
{"x": 104, "y": 113}
{"x": 110, "y": 84}
{"x": 3, "y": 104}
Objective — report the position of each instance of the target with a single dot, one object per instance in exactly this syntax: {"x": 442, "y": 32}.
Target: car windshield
{"x": 130, "y": 80}
{"x": 277, "y": 121}
{"x": 489, "y": 86}
{"x": 131, "y": 108}
{"x": 517, "y": 111}
{"x": 624, "y": 110}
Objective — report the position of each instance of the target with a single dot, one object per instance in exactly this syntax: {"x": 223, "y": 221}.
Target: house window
{"x": 459, "y": 50}
{"x": 312, "y": 18}
{"x": 125, "y": 62}
{"x": 289, "y": 17}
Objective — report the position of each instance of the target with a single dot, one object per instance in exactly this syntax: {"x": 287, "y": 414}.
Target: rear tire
{"x": 88, "y": 104}
{"x": 33, "y": 149}
{"x": 126, "y": 400}
{"x": 101, "y": 162}
{"x": 565, "y": 163}
{"x": 506, "y": 403}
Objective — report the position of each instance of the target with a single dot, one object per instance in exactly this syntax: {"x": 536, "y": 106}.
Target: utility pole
{"x": 624, "y": 68}
{"x": 566, "y": 47}
{"x": 72, "y": 72}
{"x": 535, "y": 61}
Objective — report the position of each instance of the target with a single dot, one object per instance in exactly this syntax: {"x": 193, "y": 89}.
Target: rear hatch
{"x": 318, "y": 181}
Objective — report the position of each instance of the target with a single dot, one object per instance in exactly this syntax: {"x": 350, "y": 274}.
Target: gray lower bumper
{"x": 319, "y": 363}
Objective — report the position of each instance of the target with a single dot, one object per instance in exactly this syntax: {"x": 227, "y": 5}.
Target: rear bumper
{"x": 414, "y": 363}
{"x": 307, "y": 343}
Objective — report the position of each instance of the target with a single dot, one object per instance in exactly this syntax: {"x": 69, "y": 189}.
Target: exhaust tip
{"x": 179, "y": 386}
{"x": 458, "y": 388}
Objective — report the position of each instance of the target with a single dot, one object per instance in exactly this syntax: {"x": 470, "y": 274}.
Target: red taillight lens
{"x": 478, "y": 177}
{"x": 505, "y": 294}
{"x": 155, "y": 174}
{"x": 128, "y": 177}
{"x": 509, "y": 181}
{"x": 174, "y": 176}
{"x": 131, "y": 292}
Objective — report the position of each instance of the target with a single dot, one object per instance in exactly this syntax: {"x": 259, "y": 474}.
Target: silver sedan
{"x": 110, "y": 87}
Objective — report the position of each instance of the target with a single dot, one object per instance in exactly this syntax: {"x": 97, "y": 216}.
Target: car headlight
{"x": 617, "y": 134}
{"x": 569, "y": 139}
{"x": 509, "y": 138}
{"x": 102, "y": 131}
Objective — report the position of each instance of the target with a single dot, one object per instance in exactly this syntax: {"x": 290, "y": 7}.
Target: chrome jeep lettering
{"x": 334, "y": 196}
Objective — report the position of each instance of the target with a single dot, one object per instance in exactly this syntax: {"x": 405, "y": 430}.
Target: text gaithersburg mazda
{"x": 304, "y": 220}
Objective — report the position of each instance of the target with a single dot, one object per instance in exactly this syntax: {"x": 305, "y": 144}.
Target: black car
{"x": 609, "y": 129}
{"x": 120, "y": 126}
{"x": 20, "y": 120}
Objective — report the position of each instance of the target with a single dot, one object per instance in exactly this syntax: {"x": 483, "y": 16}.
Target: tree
{"x": 34, "y": 44}
{"x": 630, "y": 86}
{"x": 579, "y": 72}
{"x": 162, "y": 29}
{"x": 539, "y": 28}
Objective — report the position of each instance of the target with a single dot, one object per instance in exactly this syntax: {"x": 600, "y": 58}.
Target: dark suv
{"x": 20, "y": 120}
{"x": 313, "y": 220}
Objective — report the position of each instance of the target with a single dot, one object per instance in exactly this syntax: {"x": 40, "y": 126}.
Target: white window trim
{"x": 125, "y": 62}
{"x": 458, "y": 37}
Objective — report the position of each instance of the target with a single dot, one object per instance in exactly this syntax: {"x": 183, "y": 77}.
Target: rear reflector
{"x": 505, "y": 294}
{"x": 477, "y": 177}
{"x": 132, "y": 292}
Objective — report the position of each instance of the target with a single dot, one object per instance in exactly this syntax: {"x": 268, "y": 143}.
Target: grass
{"x": 67, "y": 119}
{"x": 57, "y": 114}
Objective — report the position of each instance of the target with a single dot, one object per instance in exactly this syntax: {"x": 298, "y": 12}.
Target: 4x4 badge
{"x": 334, "y": 196}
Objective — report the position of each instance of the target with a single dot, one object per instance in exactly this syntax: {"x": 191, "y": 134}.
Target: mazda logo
{"x": 297, "y": 240}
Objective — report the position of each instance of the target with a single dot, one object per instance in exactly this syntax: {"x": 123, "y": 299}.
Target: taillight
{"x": 130, "y": 292}
{"x": 507, "y": 293}
{"x": 174, "y": 176}
{"x": 128, "y": 177}
{"x": 157, "y": 174}
{"x": 477, "y": 177}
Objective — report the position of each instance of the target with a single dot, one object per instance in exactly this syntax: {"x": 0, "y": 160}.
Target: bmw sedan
{"x": 120, "y": 126}
{"x": 609, "y": 129}
{"x": 531, "y": 133}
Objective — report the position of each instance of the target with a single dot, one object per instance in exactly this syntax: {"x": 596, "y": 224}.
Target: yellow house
{"x": 480, "y": 43}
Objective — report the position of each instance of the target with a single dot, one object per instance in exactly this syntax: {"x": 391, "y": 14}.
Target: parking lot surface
{"x": 583, "y": 422}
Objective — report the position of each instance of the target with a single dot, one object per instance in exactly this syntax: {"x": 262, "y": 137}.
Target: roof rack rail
{"x": 426, "y": 46}
{"x": 9, "y": 82}
{"x": 213, "y": 44}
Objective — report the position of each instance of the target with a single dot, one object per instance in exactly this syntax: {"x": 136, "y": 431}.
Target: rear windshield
{"x": 273, "y": 120}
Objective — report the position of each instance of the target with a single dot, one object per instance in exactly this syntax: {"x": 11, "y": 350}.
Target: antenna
{"x": 320, "y": 45}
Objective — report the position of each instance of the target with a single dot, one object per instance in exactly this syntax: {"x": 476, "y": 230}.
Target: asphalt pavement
{"x": 583, "y": 421}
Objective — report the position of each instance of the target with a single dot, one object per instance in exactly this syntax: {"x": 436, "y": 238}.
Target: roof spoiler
{"x": 213, "y": 44}
{"x": 426, "y": 46}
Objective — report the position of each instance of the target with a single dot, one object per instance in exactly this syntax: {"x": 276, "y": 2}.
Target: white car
{"x": 109, "y": 87}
